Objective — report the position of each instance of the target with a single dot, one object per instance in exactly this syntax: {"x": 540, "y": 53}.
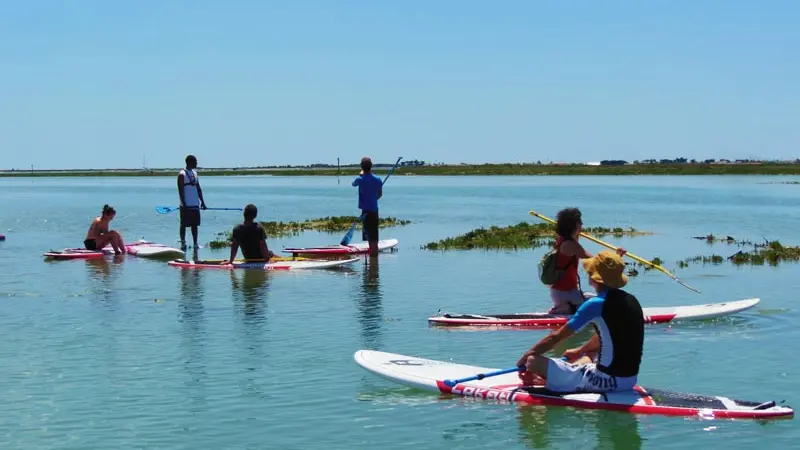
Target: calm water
{"x": 137, "y": 354}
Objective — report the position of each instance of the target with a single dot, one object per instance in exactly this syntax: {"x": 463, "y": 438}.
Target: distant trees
{"x": 413, "y": 163}
{"x": 613, "y": 162}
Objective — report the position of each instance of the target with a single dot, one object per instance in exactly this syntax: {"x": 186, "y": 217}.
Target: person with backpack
{"x": 559, "y": 267}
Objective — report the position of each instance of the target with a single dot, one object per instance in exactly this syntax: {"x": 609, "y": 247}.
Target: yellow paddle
{"x": 632, "y": 256}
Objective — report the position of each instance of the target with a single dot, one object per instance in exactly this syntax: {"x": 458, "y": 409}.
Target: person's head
{"x": 250, "y": 212}
{"x": 605, "y": 269}
{"x": 569, "y": 223}
{"x": 366, "y": 164}
{"x": 108, "y": 212}
{"x": 191, "y": 162}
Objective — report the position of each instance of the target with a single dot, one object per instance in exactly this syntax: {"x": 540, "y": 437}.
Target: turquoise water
{"x": 133, "y": 353}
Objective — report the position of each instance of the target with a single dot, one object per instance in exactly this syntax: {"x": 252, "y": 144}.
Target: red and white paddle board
{"x": 357, "y": 248}
{"x": 428, "y": 374}
{"x": 273, "y": 264}
{"x": 661, "y": 314}
{"x": 140, "y": 248}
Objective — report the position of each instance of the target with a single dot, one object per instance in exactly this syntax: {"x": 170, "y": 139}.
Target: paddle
{"x": 481, "y": 376}
{"x": 169, "y": 209}
{"x": 632, "y": 256}
{"x": 349, "y": 236}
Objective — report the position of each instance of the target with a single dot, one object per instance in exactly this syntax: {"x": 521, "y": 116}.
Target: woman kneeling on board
{"x": 618, "y": 340}
{"x": 99, "y": 235}
{"x": 251, "y": 237}
{"x": 566, "y": 293}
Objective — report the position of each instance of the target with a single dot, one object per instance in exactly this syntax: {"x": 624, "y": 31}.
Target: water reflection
{"x": 191, "y": 316}
{"x": 544, "y": 427}
{"x": 250, "y": 290}
{"x": 103, "y": 274}
{"x": 370, "y": 309}
{"x": 102, "y": 268}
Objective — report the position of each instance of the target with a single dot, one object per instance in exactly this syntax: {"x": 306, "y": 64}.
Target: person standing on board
{"x": 610, "y": 360}
{"x": 370, "y": 190}
{"x": 566, "y": 293}
{"x": 99, "y": 235}
{"x": 192, "y": 202}
{"x": 251, "y": 237}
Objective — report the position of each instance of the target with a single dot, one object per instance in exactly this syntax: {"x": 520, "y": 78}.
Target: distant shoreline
{"x": 445, "y": 170}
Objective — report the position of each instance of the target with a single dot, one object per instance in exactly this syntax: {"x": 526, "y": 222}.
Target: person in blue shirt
{"x": 610, "y": 360}
{"x": 370, "y": 189}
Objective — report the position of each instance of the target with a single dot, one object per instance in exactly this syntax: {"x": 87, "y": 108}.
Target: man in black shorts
{"x": 251, "y": 237}
{"x": 370, "y": 190}
{"x": 191, "y": 196}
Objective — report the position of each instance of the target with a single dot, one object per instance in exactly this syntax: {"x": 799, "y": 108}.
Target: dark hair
{"x": 567, "y": 221}
{"x": 366, "y": 164}
{"x": 250, "y": 211}
{"x": 190, "y": 158}
{"x": 108, "y": 210}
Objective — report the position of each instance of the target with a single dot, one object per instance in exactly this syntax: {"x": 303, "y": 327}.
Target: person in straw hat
{"x": 609, "y": 361}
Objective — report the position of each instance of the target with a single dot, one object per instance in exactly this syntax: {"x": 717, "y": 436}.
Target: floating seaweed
{"x": 325, "y": 224}
{"x": 770, "y": 252}
{"x": 520, "y": 236}
{"x": 728, "y": 239}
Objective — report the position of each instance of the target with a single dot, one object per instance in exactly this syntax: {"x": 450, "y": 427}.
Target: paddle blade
{"x": 349, "y": 236}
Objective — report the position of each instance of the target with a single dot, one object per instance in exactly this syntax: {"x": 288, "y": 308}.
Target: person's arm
{"x": 590, "y": 349}
{"x": 234, "y": 250}
{"x": 573, "y": 248}
{"x": 200, "y": 194}
{"x": 180, "y": 189}
{"x": 380, "y": 191}
{"x": 357, "y": 181}
{"x": 585, "y": 313}
{"x": 234, "y": 245}
{"x": 264, "y": 248}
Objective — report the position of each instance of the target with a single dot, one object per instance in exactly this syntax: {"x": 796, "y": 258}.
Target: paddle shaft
{"x": 169, "y": 209}
{"x": 481, "y": 376}
{"x": 632, "y": 256}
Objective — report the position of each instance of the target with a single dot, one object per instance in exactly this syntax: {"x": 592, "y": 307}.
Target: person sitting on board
{"x": 191, "y": 196}
{"x": 610, "y": 360}
{"x": 370, "y": 190}
{"x": 99, "y": 235}
{"x": 251, "y": 237}
{"x": 566, "y": 293}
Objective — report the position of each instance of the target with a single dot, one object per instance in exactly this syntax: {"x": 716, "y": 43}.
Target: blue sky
{"x": 91, "y": 84}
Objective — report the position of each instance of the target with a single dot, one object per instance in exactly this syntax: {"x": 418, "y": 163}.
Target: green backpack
{"x": 549, "y": 274}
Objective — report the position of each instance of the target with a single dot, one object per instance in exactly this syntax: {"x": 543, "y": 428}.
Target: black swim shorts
{"x": 370, "y": 230}
{"x": 190, "y": 217}
{"x": 90, "y": 244}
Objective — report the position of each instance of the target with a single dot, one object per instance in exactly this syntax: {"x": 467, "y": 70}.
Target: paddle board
{"x": 661, "y": 314}
{"x": 430, "y": 375}
{"x": 357, "y": 248}
{"x": 279, "y": 264}
{"x": 140, "y": 248}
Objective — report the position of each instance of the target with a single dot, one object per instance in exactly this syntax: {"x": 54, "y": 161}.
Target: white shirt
{"x": 190, "y": 195}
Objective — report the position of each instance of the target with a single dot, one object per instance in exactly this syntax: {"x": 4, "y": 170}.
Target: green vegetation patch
{"x": 324, "y": 224}
{"x": 770, "y": 252}
{"x": 520, "y": 236}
